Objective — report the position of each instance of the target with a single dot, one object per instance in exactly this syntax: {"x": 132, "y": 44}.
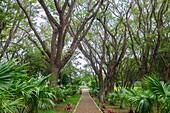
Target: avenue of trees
{"x": 124, "y": 43}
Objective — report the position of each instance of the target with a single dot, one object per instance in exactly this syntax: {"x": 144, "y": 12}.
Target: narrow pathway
{"x": 86, "y": 104}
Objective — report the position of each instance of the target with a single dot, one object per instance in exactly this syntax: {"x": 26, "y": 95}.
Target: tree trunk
{"x": 61, "y": 78}
{"x": 102, "y": 90}
{"x": 97, "y": 83}
{"x": 167, "y": 75}
{"x": 110, "y": 79}
{"x": 110, "y": 83}
{"x": 55, "y": 72}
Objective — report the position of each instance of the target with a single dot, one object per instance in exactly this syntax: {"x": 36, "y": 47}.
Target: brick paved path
{"x": 86, "y": 104}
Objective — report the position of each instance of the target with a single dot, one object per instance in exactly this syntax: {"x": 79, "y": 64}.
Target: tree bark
{"x": 102, "y": 89}
{"x": 55, "y": 72}
{"x": 110, "y": 80}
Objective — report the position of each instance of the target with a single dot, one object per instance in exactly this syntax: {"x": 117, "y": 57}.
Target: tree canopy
{"x": 123, "y": 41}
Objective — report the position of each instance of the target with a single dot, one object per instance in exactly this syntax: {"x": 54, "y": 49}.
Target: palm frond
{"x": 154, "y": 84}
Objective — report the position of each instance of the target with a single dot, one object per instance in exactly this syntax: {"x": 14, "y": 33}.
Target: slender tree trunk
{"x": 167, "y": 75}
{"x": 61, "y": 78}
{"x": 97, "y": 83}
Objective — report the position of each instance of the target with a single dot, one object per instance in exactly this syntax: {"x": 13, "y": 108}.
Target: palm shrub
{"x": 21, "y": 93}
{"x": 61, "y": 93}
{"x": 142, "y": 100}
{"x": 116, "y": 97}
{"x": 10, "y": 71}
{"x": 120, "y": 96}
{"x": 46, "y": 97}
{"x": 153, "y": 92}
{"x": 72, "y": 89}
{"x": 42, "y": 95}
{"x": 94, "y": 92}
{"x": 111, "y": 98}
{"x": 161, "y": 91}
{"x": 7, "y": 102}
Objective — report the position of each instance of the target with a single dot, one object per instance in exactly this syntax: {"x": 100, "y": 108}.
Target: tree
{"x": 145, "y": 26}
{"x": 69, "y": 73}
{"x": 106, "y": 50}
{"x": 162, "y": 63}
{"x": 127, "y": 73}
{"x": 10, "y": 19}
{"x": 60, "y": 15}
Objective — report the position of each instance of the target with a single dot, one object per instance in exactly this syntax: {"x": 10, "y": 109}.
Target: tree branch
{"x": 49, "y": 16}
{"x": 33, "y": 28}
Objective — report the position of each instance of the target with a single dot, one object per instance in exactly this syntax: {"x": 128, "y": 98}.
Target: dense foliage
{"x": 123, "y": 42}
{"x": 20, "y": 92}
{"x": 153, "y": 97}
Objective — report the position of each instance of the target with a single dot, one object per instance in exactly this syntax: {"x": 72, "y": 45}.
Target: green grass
{"x": 60, "y": 109}
{"x": 47, "y": 111}
{"x": 73, "y": 100}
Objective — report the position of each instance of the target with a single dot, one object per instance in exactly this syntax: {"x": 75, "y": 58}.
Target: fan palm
{"x": 112, "y": 97}
{"x": 142, "y": 100}
{"x": 41, "y": 95}
{"x": 155, "y": 91}
{"x": 162, "y": 92}
{"x": 117, "y": 97}
{"x": 9, "y": 70}
{"x": 19, "y": 92}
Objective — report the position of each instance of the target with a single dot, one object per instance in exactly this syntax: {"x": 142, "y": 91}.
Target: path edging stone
{"x": 95, "y": 104}
{"x": 77, "y": 104}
